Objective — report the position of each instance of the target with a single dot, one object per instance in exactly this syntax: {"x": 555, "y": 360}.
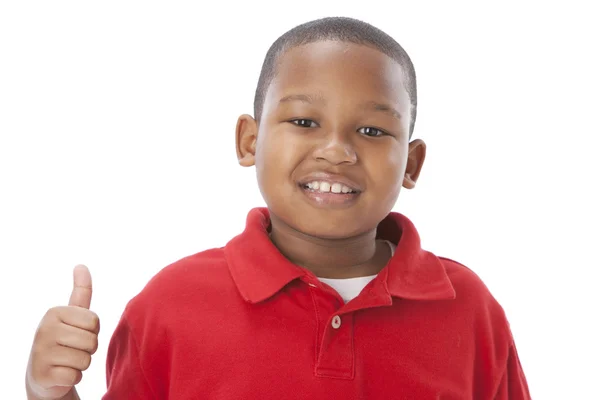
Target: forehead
{"x": 339, "y": 71}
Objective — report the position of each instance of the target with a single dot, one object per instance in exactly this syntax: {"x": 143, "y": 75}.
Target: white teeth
{"x": 327, "y": 187}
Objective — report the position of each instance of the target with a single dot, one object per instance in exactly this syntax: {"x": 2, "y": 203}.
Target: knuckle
{"x": 54, "y": 313}
{"x": 86, "y": 360}
{"x": 36, "y": 372}
{"x": 38, "y": 337}
{"x": 36, "y": 353}
{"x": 41, "y": 374}
{"x": 77, "y": 377}
{"x": 94, "y": 344}
{"x": 39, "y": 357}
{"x": 49, "y": 321}
{"x": 42, "y": 331}
{"x": 47, "y": 333}
{"x": 64, "y": 376}
{"x": 95, "y": 320}
{"x": 51, "y": 312}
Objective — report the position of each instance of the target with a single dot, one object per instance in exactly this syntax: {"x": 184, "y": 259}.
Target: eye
{"x": 304, "y": 123}
{"x": 370, "y": 131}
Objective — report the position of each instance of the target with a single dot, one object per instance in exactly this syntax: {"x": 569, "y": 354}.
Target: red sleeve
{"x": 125, "y": 377}
{"x": 513, "y": 385}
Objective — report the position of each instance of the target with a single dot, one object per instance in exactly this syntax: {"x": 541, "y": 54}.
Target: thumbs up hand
{"x": 64, "y": 343}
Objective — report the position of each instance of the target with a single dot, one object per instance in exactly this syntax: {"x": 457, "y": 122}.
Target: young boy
{"x": 327, "y": 293}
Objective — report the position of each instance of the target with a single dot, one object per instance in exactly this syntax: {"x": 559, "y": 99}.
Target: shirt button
{"x": 336, "y": 322}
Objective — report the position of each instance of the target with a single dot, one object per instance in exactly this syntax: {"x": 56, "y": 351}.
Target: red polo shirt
{"x": 243, "y": 322}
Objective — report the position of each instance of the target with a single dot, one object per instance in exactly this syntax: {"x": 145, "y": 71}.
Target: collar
{"x": 259, "y": 270}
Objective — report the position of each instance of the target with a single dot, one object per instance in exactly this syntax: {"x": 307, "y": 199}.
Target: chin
{"x": 321, "y": 222}
{"x": 329, "y": 228}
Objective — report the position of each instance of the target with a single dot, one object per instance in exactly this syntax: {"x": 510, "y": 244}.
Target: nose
{"x": 336, "y": 149}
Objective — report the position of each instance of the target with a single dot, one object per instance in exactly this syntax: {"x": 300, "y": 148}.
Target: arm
{"x": 125, "y": 377}
{"x": 513, "y": 385}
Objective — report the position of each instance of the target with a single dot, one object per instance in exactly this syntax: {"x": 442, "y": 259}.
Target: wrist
{"x": 34, "y": 392}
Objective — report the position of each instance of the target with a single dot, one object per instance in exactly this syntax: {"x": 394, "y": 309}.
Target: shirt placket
{"x": 335, "y": 335}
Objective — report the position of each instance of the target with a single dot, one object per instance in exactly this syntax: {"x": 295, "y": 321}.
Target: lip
{"x": 330, "y": 200}
{"x": 330, "y": 178}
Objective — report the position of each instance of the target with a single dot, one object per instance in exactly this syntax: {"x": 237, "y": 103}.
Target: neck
{"x": 351, "y": 257}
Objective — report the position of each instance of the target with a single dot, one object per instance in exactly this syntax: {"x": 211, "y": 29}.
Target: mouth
{"x": 330, "y": 193}
{"x": 328, "y": 187}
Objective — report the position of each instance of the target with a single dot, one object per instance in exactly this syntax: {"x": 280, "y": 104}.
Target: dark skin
{"x": 340, "y": 109}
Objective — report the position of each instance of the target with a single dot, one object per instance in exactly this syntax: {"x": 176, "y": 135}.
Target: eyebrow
{"x": 369, "y": 105}
{"x": 386, "y": 108}
{"x": 305, "y": 98}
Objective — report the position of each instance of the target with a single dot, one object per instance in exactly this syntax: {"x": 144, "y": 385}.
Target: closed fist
{"x": 64, "y": 342}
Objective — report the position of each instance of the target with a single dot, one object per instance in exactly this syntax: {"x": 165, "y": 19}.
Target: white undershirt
{"x": 349, "y": 288}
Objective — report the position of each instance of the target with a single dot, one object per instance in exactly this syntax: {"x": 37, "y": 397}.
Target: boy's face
{"x": 335, "y": 118}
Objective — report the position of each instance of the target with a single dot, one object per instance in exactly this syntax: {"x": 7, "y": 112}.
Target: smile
{"x": 329, "y": 195}
{"x": 328, "y": 187}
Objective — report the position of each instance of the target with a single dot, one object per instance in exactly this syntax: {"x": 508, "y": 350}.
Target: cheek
{"x": 277, "y": 155}
{"x": 386, "y": 174}
{"x": 387, "y": 167}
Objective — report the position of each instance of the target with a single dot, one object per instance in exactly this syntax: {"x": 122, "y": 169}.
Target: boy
{"x": 326, "y": 294}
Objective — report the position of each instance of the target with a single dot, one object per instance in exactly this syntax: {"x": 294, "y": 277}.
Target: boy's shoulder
{"x": 206, "y": 264}
{"x": 464, "y": 279}
{"x": 199, "y": 277}
{"x": 472, "y": 294}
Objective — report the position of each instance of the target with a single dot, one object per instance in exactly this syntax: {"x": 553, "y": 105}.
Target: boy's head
{"x": 338, "y": 29}
{"x": 334, "y": 111}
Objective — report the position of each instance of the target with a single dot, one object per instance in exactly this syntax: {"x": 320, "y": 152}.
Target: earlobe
{"x": 245, "y": 140}
{"x": 416, "y": 157}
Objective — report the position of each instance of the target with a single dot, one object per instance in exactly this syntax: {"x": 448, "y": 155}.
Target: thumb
{"x": 82, "y": 287}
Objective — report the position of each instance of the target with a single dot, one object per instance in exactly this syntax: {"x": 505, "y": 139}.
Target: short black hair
{"x": 341, "y": 29}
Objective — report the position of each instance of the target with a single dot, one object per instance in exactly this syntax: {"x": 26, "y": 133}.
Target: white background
{"x": 117, "y": 150}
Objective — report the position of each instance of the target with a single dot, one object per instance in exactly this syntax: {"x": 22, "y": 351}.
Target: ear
{"x": 416, "y": 157}
{"x": 245, "y": 140}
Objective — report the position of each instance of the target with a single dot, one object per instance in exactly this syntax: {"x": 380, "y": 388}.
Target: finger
{"x": 79, "y": 318}
{"x": 61, "y": 356}
{"x": 82, "y": 287}
{"x": 75, "y": 338}
{"x": 64, "y": 376}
